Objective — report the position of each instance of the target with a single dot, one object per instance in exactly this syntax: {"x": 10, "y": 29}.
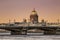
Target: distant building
{"x": 24, "y": 20}
{"x": 34, "y": 17}
{"x": 43, "y": 22}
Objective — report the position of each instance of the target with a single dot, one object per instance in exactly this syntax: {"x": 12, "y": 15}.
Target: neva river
{"x": 26, "y": 37}
{"x": 6, "y": 36}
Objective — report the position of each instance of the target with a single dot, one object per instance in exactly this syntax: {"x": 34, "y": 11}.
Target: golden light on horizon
{"x": 48, "y": 10}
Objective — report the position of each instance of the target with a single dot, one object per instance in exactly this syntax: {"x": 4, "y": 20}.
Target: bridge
{"x": 23, "y": 29}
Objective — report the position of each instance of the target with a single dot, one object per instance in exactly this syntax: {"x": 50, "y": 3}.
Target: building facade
{"x": 34, "y": 17}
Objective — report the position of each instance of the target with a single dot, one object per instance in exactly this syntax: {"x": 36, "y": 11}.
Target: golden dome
{"x": 34, "y": 12}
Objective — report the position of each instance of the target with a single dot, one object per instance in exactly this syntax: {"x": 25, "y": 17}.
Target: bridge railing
{"x": 29, "y": 24}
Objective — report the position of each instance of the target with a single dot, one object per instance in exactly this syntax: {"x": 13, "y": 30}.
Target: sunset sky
{"x": 49, "y": 10}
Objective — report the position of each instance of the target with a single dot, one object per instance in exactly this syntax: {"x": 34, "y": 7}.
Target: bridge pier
{"x": 19, "y": 32}
{"x": 15, "y": 33}
{"x": 53, "y": 32}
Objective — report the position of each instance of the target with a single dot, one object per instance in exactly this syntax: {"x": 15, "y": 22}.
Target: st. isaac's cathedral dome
{"x": 34, "y": 16}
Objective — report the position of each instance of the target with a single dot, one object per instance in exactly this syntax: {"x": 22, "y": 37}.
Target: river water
{"x": 28, "y": 37}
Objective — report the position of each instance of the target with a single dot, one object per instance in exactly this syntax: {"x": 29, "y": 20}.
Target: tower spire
{"x": 14, "y": 20}
{"x": 33, "y": 10}
{"x": 58, "y": 21}
{"x": 9, "y": 21}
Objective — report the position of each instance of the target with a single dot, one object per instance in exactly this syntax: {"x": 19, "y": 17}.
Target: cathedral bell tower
{"x": 34, "y": 17}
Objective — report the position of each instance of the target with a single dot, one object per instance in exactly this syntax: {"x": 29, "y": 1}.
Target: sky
{"x": 49, "y": 10}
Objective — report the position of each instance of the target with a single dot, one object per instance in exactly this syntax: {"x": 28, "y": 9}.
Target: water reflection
{"x": 25, "y": 37}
